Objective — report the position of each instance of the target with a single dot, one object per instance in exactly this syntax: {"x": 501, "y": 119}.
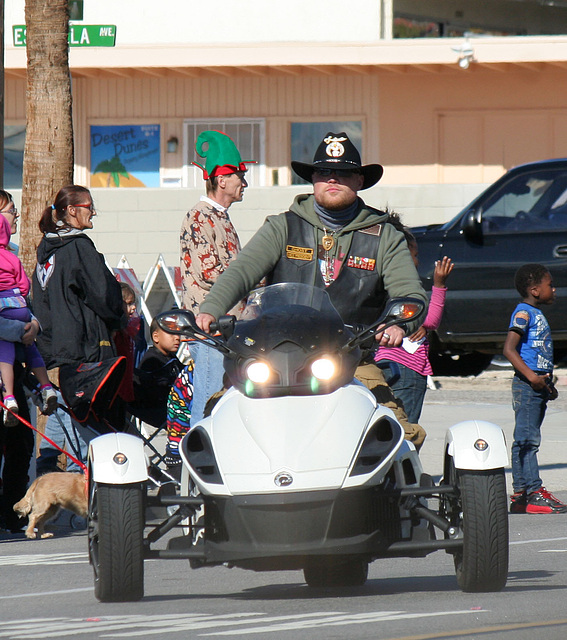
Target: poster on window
{"x": 125, "y": 156}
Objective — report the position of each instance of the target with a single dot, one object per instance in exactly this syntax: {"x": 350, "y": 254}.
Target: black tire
{"x": 116, "y": 541}
{"x": 482, "y": 565}
{"x": 336, "y": 572}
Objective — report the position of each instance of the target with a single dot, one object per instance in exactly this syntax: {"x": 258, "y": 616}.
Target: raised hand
{"x": 442, "y": 270}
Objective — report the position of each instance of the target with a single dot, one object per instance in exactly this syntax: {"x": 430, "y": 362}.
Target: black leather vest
{"x": 358, "y": 292}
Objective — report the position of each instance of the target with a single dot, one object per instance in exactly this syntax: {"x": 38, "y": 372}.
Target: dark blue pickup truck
{"x": 521, "y": 218}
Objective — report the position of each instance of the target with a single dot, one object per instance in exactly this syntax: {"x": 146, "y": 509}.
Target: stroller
{"x": 89, "y": 391}
{"x": 152, "y": 389}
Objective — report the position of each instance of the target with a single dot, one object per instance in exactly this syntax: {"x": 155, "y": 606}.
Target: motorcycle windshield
{"x": 288, "y": 327}
{"x": 284, "y": 294}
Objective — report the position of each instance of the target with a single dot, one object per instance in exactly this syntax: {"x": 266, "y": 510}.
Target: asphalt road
{"x": 488, "y": 397}
{"x": 46, "y": 591}
{"x": 46, "y": 586}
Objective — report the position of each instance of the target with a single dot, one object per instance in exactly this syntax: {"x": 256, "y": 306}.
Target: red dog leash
{"x": 81, "y": 464}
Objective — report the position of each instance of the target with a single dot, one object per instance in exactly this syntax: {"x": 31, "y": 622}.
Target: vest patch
{"x": 357, "y": 262}
{"x": 375, "y": 230}
{"x": 298, "y": 253}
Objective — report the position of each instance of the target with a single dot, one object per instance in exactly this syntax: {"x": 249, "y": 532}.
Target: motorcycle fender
{"x": 476, "y": 445}
{"x": 310, "y": 438}
{"x": 118, "y": 458}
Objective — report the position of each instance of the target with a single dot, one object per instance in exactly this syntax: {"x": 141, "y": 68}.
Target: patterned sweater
{"x": 209, "y": 242}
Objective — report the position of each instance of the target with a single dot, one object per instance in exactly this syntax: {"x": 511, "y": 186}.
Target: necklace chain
{"x": 328, "y": 242}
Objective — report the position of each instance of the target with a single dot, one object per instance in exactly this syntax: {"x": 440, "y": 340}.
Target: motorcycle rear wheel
{"x": 336, "y": 572}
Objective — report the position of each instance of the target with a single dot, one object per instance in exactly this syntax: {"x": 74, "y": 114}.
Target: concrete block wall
{"x": 142, "y": 223}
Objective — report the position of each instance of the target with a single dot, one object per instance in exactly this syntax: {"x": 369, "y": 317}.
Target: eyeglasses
{"x": 241, "y": 175}
{"x": 86, "y": 206}
{"x": 340, "y": 173}
{"x": 13, "y": 211}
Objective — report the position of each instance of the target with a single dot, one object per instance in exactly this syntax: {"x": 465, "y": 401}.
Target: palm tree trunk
{"x": 48, "y": 153}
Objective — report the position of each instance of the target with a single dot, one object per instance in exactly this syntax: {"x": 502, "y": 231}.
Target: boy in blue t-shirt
{"x": 529, "y": 349}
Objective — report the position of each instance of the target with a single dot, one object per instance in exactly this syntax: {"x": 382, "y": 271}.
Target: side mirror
{"x": 177, "y": 321}
{"x": 397, "y": 311}
{"x": 472, "y": 225}
{"x": 183, "y": 322}
{"x": 400, "y": 310}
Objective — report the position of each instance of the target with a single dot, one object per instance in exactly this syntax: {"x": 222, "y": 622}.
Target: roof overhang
{"x": 436, "y": 55}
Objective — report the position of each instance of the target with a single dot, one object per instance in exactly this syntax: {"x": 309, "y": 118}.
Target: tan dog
{"x": 47, "y": 495}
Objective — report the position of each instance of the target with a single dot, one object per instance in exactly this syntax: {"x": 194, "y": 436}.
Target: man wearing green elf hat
{"x": 209, "y": 242}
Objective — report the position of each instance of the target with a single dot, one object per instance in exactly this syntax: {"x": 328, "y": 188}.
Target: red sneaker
{"x": 518, "y": 502}
{"x": 542, "y": 501}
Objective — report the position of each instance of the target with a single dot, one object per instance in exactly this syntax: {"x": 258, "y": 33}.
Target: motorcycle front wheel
{"x": 482, "y": 565}
{"x": 116, "y": 541}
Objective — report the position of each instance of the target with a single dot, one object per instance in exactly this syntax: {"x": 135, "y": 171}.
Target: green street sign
{"x": 80, "y": 35}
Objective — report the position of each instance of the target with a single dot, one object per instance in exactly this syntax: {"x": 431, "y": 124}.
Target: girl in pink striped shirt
{"x": 406, "y": 367}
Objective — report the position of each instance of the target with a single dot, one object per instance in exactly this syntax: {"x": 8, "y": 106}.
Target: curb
{"x": 489, "y": 379}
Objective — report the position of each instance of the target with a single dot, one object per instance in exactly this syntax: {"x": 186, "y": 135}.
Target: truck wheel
{"x": 336, "y": 572}
{"x": 482, "y": 565}
{"x": 116, "y": 541}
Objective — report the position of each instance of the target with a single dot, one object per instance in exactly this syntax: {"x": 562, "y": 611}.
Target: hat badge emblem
{"x": 334, "y": 147}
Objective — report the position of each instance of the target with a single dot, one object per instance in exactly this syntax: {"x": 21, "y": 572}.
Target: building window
{"x": 75, "y": 9}
{"x": 249, "y": 137}
{"x": 306, "y": 136}
{"x": 14, "y": 141}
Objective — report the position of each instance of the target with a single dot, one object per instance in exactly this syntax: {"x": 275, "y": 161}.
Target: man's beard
{"x": 337, "y": 202}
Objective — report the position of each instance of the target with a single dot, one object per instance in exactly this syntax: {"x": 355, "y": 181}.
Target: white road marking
{"x": 344, "y": 619}
{"x": 24, "y": 560}
{"x": 42, "y": 594}
{"x": 242, "y": 624}
{"x": 537, "y": 540}
{"x": 60, "y": 627}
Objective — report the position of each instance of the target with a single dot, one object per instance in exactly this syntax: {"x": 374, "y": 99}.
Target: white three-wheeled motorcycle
{"x": 298, "y": 467}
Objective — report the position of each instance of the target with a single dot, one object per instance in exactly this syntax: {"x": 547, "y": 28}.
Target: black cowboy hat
{"x": 336, "y": 151}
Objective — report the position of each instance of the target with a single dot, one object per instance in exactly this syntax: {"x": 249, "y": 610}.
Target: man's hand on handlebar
{"x": 392, "y": 337}
{"x": 204, "y": 321}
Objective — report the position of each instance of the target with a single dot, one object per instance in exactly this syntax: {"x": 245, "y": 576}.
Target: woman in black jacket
{"x": 78, "y": 302}
{"x": 76, "y": 298}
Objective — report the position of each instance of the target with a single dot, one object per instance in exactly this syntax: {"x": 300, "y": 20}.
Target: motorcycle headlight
{"x": 258, "y": 372}
{"x": 323, "y": 368}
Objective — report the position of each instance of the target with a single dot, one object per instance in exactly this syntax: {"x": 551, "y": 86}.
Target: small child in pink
{"x": 14, "y": 286}
{"x": 406, "y": 367}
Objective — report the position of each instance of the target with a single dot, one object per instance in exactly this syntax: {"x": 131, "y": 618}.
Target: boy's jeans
{"x": 529, "y": 407}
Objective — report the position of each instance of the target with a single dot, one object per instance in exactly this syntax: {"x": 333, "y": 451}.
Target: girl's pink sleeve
{"x": 22, "y": 280}
{"x": 435, "y": 310}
